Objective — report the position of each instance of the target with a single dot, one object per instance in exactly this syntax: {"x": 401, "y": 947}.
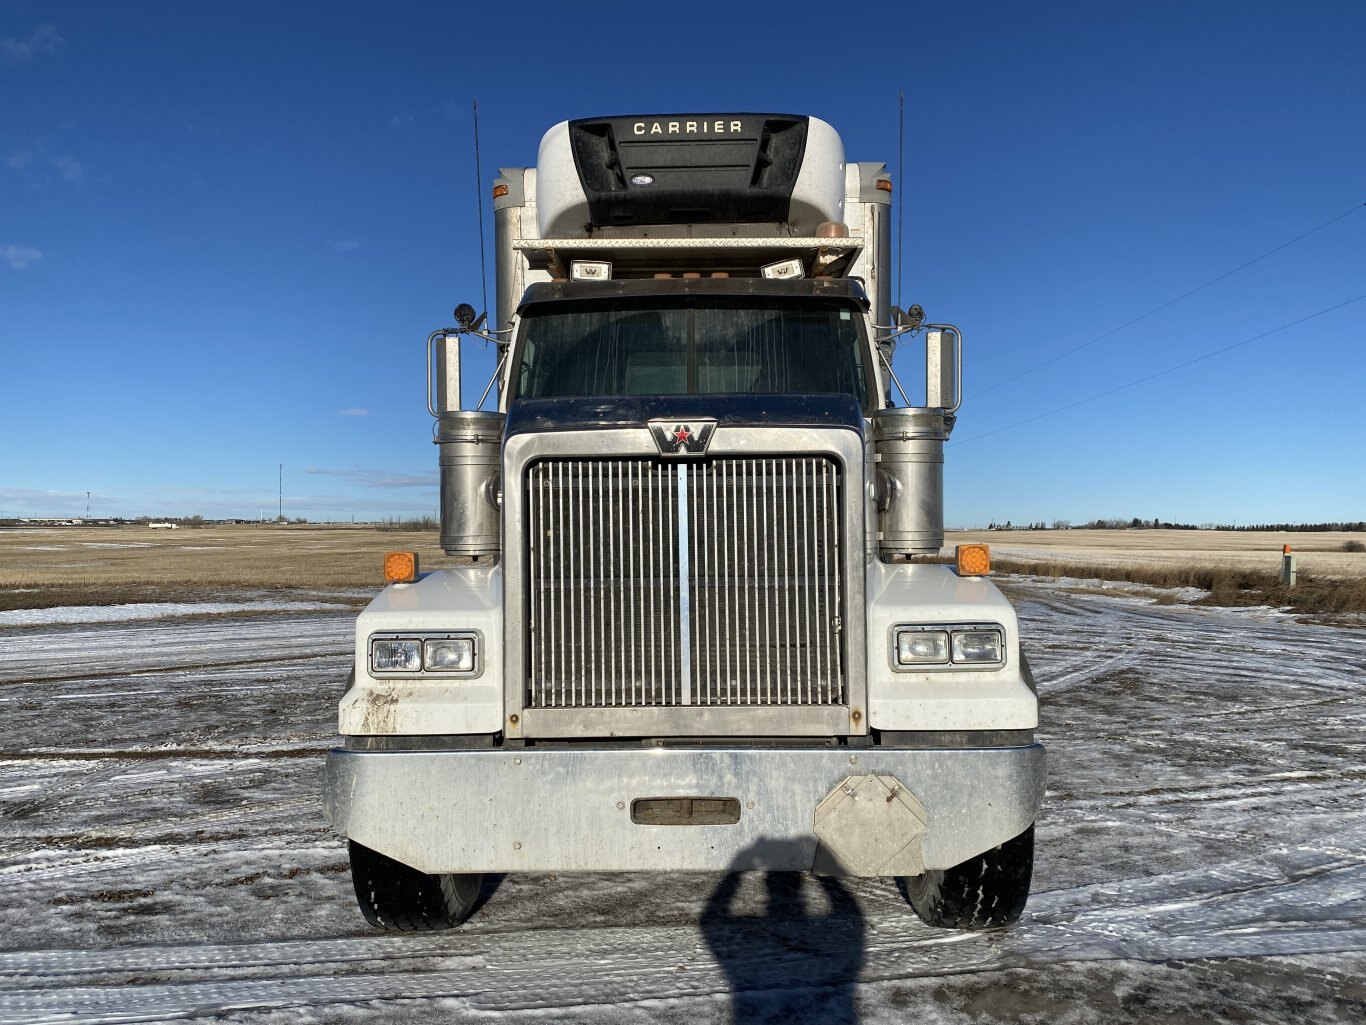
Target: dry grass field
{"x": 42, "y": 567}
{"x": 1319, "y": 554}
{"x": 1233, "y": 567}
{"x": 49, "y": 566}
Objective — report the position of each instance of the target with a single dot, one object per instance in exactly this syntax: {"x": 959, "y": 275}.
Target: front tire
{"x": 393, "y": 896}
{"x": 985, "y": 892}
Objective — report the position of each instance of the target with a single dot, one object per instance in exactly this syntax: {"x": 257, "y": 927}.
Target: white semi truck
{"x": 687, "y": 621}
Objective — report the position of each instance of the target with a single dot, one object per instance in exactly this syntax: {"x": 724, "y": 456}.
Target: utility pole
{"x": 87, "y": 505}
{"x": 281, "y": 514}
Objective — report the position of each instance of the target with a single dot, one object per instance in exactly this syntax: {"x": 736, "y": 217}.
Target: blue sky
{"x": 226, "y": 230}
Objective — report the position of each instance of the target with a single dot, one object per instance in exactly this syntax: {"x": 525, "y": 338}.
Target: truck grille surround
{"x": 665, "y": 583}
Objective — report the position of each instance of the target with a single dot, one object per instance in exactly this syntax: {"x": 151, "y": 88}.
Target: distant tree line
{"x": 1360, "y": 525}
{"x": 413, "y": 523}
{"x": 1137, "y": 523}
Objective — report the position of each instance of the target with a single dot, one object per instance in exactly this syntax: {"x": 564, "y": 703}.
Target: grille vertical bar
{"x": 747, "y": 548}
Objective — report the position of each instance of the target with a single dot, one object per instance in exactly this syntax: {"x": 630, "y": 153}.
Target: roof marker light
{"x": 783, "y": 270}
{"x": 590, "y": 270}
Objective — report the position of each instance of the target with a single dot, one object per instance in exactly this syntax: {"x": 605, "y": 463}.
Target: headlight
{"x": 447, "y": 654}
{"x": 947, "y": 647}
{"x": 977, "y": 646}
{"x": 921, "y": 647}
{"x": 395, "y": 655}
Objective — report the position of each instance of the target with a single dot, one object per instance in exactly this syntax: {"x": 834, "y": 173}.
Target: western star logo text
{"x": 717, "y": 127}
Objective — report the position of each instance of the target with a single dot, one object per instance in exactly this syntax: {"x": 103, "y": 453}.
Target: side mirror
{"x": 943, "y": 367}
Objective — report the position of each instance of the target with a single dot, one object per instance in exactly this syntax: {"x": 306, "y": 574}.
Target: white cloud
{"x": 400, "y": 121}
{"x": 69, "y": 169}
{"x": 344, "y": 245}
{"x": 19, "y": 257}
{"x": 43, "y": 39}
{"x": 353, "y": 411}
{"x": 372, "y": 478}
{"x": 35, "y": 502}
{"x": 39, "y": 168}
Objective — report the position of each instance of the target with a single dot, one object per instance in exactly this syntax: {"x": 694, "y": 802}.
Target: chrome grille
{"x": 684, "y": 583}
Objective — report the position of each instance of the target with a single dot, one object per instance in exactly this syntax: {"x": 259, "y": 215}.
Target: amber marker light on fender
{"x": 973, "y": 560}
{"x": 400, "y": 567}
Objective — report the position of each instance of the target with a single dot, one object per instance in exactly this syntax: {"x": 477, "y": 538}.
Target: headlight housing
{"x": 456, "y": 654}
{"x": 918, "y": 647}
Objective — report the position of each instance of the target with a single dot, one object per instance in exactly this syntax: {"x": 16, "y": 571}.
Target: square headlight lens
{"x": 395, "y": 656}
{"x": 449, "y": 655}
{"x": 980, "y": 646}
{"x": 922, "y": 647}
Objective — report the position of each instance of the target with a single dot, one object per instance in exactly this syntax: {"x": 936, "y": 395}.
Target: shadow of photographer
{"x": 798, "y": 951}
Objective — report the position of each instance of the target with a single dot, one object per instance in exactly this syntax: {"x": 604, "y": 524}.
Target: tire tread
{"x": 985, "y": 892}
{"x": 394, "y": 896}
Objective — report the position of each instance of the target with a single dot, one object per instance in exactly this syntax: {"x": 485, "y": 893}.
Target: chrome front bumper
{"x": 558, "y": 810}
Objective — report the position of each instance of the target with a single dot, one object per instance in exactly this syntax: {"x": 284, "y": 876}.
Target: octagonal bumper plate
{"x": 872, "y": 826}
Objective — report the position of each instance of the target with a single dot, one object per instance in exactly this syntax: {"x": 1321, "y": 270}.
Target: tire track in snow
{"x": 1238, "y": 909}
{"x": 1277, "y": 787}
{"x": 39, "y": 870}
{"x": 1081, "y": 670}
{"x": 1139, "y": 687}
{"x": 34, "y": 654}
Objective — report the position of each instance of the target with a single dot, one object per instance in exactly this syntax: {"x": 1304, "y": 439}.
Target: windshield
{"x": 716, "y": 345}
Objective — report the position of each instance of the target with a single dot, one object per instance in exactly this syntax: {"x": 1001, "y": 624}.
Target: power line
{"x": 1169, "y": 302}
{"x": 1160, "y": 373}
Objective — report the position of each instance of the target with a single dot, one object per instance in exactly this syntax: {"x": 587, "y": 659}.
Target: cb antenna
{"x": 479, "y": 203}
{"x": 901, "y": 184}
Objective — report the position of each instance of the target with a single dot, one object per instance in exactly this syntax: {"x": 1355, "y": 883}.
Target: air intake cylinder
{"x": 471, "y": 443}
{"x": 908, "y": 447}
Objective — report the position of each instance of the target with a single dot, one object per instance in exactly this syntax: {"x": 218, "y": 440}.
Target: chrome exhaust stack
{"x": 908, "y": 450}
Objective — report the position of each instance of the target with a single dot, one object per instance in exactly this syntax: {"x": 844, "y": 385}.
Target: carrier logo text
{"x": 720, "y": 126}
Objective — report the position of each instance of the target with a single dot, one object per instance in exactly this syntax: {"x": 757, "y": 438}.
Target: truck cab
{"x": 688, "y": 620}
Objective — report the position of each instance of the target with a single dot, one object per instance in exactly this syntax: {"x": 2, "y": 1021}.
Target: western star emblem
{"x": 682, "y": 437}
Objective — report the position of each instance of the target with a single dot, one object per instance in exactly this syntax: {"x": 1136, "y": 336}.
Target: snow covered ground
{"x": 152, "y": 610}
{"x": 1202, "y": 854}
